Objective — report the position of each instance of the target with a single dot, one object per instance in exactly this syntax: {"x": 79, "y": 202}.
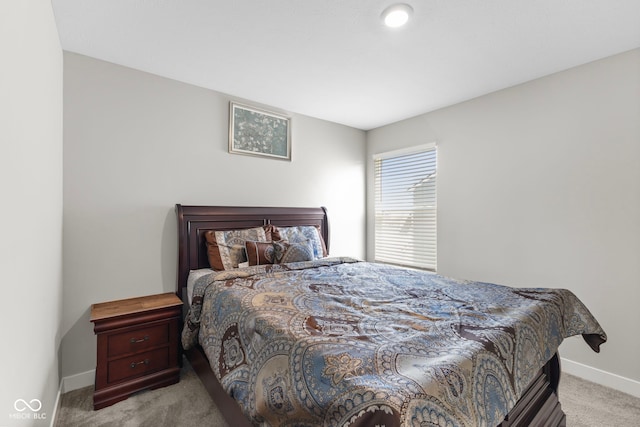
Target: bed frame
{"x": 539, "y": 406}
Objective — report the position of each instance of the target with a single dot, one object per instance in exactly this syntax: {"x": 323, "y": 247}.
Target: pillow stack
{"x": 229, "y": 249}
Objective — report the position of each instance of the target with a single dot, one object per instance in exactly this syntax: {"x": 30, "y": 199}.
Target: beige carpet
{"x": 187, "y": 404}
{"x": 184, "y": 404}
{"x": 591, "y": 405}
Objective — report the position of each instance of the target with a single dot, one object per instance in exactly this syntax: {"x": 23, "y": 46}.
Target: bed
{"x": 310, "y": 343}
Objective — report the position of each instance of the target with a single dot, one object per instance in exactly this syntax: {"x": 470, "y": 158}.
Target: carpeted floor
{"x": 591, "y": 405}
{"x": 187, "y": 404}
{"x": 184, "y": 404}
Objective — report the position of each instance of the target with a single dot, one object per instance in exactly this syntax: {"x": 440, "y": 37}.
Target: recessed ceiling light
{"x": 396, "y": 15}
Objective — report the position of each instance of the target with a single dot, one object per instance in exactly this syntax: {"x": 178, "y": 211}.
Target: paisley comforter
{"x": 338, "y": 342}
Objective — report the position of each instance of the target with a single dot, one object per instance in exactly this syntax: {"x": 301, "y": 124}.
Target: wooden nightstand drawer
{"x": 138, "y": 364}
{"x": 138, "y": 340}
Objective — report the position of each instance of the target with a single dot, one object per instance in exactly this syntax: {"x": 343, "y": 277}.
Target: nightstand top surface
{"x": 127, "y": 306}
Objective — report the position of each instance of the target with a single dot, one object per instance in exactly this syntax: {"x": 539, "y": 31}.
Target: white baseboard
{"x": 598, "y": 376}
{"x": 71, "y": 383}
{"x": 56, "y": 406}
{"x": 74, "y": 382}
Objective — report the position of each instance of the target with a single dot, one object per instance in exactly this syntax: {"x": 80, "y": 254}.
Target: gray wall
{"x": 136, "y": 144}
{"x": 31, "y": 226}
{"x": 539, "y": 185}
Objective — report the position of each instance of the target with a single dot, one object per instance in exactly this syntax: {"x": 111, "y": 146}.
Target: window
{"x": 405, "y": 207}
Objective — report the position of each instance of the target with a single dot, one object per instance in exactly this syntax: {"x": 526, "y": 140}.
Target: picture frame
{"x": 257, "y": 132}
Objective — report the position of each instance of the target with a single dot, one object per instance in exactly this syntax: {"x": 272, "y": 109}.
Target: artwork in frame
{"x": 257, "y": 132}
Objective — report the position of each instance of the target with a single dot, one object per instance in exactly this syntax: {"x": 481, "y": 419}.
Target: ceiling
{"x": 334, "y": 60}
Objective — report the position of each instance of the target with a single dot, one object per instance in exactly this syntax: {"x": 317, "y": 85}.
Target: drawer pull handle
{"x": 143, "y": 362}
{"x": 146, "y": 338}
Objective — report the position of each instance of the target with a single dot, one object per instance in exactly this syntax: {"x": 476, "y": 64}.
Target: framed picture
{"x": 258, "y": 132}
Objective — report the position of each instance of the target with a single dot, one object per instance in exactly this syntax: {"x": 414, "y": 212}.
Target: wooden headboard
{"x": 193, "y": 221}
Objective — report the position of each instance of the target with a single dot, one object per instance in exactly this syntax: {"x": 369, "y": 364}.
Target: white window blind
{"x": 405, "y": 207}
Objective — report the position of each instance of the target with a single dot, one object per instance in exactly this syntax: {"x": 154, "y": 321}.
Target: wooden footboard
{"x": 539, "y": 406}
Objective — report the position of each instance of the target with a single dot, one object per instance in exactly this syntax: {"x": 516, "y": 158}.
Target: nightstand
{"x": 138, "y": 346}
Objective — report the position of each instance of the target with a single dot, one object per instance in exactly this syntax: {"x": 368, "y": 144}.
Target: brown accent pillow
{"x": 259, "y": 253}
